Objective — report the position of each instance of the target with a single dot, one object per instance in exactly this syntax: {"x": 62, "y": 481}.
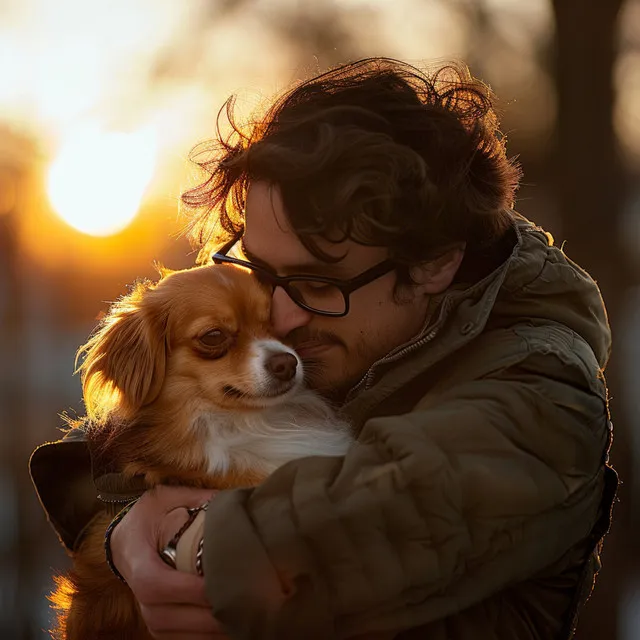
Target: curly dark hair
{"x": 376, "y": 150}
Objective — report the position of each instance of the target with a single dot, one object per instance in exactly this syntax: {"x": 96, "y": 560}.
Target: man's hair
{"x": 376, "y": 151}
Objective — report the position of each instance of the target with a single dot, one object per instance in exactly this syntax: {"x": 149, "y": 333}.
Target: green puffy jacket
{"x": 474, "y": 503}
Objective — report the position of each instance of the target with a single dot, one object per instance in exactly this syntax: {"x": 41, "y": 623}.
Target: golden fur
{"x": 183, "y": 383}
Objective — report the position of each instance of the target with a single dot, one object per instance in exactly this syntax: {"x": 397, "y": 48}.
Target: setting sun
{"x": 97, "y": 181}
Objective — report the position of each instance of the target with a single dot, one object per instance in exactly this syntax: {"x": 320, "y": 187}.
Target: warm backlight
{"x": 97, "y": 181}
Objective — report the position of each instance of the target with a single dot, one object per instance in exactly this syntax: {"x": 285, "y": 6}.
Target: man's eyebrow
{"x": 310, "y": 268}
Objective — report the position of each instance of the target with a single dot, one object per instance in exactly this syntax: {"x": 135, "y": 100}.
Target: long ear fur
{"x": 124, "y": 361}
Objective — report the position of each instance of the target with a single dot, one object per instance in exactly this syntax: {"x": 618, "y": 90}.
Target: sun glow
{"x": 98, "y": 179}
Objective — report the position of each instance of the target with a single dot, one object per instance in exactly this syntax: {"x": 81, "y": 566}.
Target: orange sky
{"x": 115, "y": 94}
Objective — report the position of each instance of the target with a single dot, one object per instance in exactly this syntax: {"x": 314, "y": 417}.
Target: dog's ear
{"x": 124, "y": 361}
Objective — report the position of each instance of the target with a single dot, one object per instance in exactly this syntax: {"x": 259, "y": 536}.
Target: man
{"x": 468, "y": 357}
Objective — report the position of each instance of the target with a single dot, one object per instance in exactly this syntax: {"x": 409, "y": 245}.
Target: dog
{"x": 184, "y": 383}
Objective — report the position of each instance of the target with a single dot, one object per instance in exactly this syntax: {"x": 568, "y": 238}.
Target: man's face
{"x": 336, "y": 352}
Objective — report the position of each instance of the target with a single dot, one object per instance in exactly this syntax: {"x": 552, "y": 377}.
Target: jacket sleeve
{"x": 429, "y": 513}
{"x": 62, "y": 476}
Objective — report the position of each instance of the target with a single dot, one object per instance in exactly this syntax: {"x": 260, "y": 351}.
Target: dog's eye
{"x": 213, "y": 343}
{"x": 213, "y": 338}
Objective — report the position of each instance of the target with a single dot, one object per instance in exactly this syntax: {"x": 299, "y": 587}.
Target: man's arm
{"x": 428, "y": 514}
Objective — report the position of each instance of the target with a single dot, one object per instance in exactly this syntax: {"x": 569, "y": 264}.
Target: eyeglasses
{"x": 320, "y": 295}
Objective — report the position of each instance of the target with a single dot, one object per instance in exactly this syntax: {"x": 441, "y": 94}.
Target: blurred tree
{"x": 321, "y": 30}
{"x": 590, "y": 193}
{"x": 16, "y": 544}
{"x": 318, "y": 32}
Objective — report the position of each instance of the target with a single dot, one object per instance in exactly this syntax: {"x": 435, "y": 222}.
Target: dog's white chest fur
{"x": 264, "y": 440}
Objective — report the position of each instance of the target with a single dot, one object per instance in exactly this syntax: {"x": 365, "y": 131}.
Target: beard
{"x": 335, "y": 372}
{"x": 317, "y": 376}
{"x": 330, "y": 375}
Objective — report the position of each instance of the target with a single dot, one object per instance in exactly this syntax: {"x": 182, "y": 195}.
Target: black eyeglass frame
{"x": 346, "y": 287}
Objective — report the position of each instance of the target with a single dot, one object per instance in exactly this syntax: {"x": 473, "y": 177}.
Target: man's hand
{"x": 173, "y": 604}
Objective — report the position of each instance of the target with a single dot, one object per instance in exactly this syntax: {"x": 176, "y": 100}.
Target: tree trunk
{"x": 590, "y": 195}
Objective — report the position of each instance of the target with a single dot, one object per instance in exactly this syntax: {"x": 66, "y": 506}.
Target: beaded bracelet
{"x": 107, "y": 539}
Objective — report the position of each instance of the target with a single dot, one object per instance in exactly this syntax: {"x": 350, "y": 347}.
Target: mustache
{"x": 303, "y": 336}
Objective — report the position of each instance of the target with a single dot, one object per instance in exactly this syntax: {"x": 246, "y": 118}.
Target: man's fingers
{"x": 167, "y": 586}
{"x": 178, "y": 619}
{"x": 171, "y": 497}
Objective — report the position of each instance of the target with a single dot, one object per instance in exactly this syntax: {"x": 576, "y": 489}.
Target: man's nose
{"x": 286, "y": 315}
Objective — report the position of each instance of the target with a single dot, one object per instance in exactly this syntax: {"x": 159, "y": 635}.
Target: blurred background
{"x": 101, "y": 102}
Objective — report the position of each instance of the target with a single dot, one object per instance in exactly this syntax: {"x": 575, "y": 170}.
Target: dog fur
{"x": 184, "y": 383}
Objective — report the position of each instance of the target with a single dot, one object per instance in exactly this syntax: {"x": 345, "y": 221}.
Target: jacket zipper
{"x": 367, "y": 379}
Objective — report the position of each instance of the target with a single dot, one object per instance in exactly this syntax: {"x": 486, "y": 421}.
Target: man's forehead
{"x": 270, "y": 239}
{"x": 269, "y": 233}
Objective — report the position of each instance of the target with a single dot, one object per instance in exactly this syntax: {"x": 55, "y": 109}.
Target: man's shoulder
{"x": 533, "y": 355}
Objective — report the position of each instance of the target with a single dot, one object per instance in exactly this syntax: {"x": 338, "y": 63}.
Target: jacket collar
{"x": 460, "y": 314}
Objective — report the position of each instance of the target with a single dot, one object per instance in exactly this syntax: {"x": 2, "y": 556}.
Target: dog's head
{"x": 199, "y": 335}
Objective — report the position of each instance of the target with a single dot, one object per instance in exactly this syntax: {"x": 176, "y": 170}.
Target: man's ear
{"x": 436, "y": 276}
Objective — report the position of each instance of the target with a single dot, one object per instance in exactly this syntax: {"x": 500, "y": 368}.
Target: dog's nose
{"x": 282, "y": 366}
